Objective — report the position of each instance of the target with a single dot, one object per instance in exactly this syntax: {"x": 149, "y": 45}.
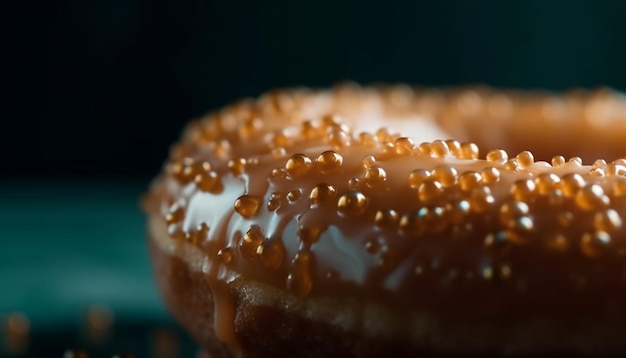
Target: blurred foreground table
{"x": 75, "y": 272}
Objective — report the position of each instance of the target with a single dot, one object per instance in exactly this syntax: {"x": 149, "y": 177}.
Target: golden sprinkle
{"x": 271, "y": 254}
{"x": 279, "y": 173}
{"x": 525, "y": 159}
{"x": 571, "y": 183}
{"x": 512, "y": 211}
{"x": 279, "y": 152}
{"x": 419, "y": 269}
{"x": 354, "y": 183}
{"x": 387, "y": 148}
{"x": 469, "y": 180}
{"x": 496, "y": 274}
{"x": 410, "y": 224}
{"x": 175, "y": 214}
{"x": 619, "y": 161}
{"x": 599, "y": 163}
{"x": 298, "y": 165}
{"x": 383, "y": 135}
{"x": 497, "y": 156}
{"x": 454, "y": 147}
{"x": 299, "y": 280}
{"x": 223, "y": 148}
{"x": 523, "y": 225}
{"x": 424, "y": 148}
{"x": 469, "y": 151}
{"x": 236, "y": 166}
{"x": 372, "y": 246}
{"x": 176, "y": 232}
{"x": 558, "y": 242}
{"x": 404, "y": 146}
{"x": 367, "y": 139}
{"x": 459, "y": 211}
{"x": 446, "y": 175}
{"x": 619, "y": 188}
{"x": 251, "y": 241}
{"x": 274, "y": 203}
{"x": 565, "y": 218}
{"x": 490, "y": 175}
{"x": 294, "y": 195}
{"x": 309, "y": 130}
{"x": 247, "y": 205}
{"x": 547, "y": 182}
{"x": 386, "y": 218}
{"x": 250, "y": 127}
{"x": 429, "y": 190}
{"x": 185, "y": 170}
{"x": 209, "y": 182}
{"x": 481, "y": 199}
{"x": 339, "y": 127}
{"x": 439, "y": 149}
{"x": 309, "y": 234}
{"x": 499, "y": 242}
{"x": 417, "y": 177}
{"x": 576, "y": 161}
{"x": 595, "y": 243}
{"x": 352, "y": 203}
{"x": 558, "y": 161}
{"x": 368, "y": 161}
{"x": 512, "y": 165}
{"x": 322, "y": 193}
{"x": 225, "y": 255}
{"x": 505, "y": 272}
{"x": 591, "y": 197}
{"x": 329, "y": 161}
{"x": 556, "y": 197}
{"x": 210, "y": 129}
{"x": 615, "y": 169}
{"x": 338, "y": 139}
{"x": 205, "y": 166}
{"x": 597, "y": 172}
{"x": 487, "y": 272}
{"x": 279, "y": 139}
{"x": 523, "y": 189}
{"x": 198, "y": 235}
{"x": 16, "y": 329}
{"x": 432, "y": 218}
{"x": 227, "y": 121}
{"x": 607, "y": 220}
{"x": 375, "y": 176}
{"x": 330, "y": 120}
{"x": 462, "y": 230}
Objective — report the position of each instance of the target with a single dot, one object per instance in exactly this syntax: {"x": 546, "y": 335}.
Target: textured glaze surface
{"x": 316, "y": 194}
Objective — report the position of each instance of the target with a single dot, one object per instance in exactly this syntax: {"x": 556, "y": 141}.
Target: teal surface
{"x": 65, "y": 246}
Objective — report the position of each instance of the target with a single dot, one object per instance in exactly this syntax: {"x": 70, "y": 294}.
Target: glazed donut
{"x": 346, "y": 223}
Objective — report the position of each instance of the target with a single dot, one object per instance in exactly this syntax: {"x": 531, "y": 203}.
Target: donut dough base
{"x": 270, "y": 323}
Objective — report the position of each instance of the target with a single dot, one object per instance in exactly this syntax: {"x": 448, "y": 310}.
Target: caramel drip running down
{"x": 360, "y": 191}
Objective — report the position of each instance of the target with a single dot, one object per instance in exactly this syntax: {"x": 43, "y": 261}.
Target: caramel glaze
{"x": 287, "y": 191}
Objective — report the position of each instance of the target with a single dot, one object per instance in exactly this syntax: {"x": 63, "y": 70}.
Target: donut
{"x": 366, "y": 222}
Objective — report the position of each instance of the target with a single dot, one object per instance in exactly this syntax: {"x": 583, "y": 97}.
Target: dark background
{"x": 102, "y": 88}
{"x": 94, "y": 92}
